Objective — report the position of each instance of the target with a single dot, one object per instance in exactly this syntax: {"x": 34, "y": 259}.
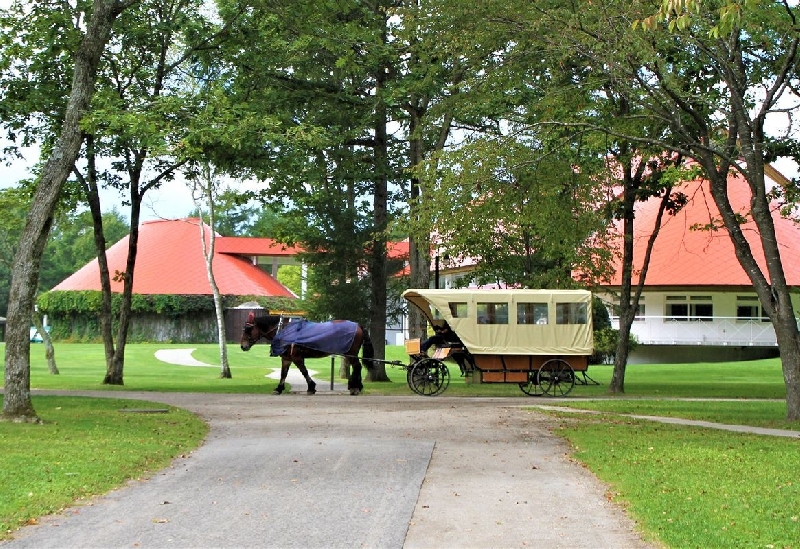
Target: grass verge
{"x": 694, "y": 487}
{"x": 86, "y": 447}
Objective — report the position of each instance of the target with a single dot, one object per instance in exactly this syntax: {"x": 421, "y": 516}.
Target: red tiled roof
{"x": 170, "y": 261}
{"x": 683, "y": 256}
{"x": 397, "y": 250}
{"x": 245, "y": 245}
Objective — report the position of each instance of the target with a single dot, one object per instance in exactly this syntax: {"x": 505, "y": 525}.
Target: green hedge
{"x": 74, "y": 315}
{"x": 59, "y": 303}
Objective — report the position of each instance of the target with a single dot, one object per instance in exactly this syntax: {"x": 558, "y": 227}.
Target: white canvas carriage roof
{"x": 513, "y": 337}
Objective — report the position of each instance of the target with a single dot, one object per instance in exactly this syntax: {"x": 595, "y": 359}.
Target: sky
{"x": 173, "y": 200}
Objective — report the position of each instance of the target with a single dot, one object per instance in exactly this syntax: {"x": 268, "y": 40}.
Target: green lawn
{"x": 85, "y": 447}
{"x": 82, "y": 366}
{"x": 685, "y": 486}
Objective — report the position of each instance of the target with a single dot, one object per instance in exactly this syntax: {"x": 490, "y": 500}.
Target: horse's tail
{"x": 367, "y": 350}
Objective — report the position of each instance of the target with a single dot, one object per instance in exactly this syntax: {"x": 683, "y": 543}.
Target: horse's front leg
{"x": 285, "y": 363}
{"x": 354, "y": 383}
{"x": 312, "y": 386}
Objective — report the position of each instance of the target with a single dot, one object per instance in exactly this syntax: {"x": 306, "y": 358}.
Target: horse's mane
{"x": 267, "y": 321}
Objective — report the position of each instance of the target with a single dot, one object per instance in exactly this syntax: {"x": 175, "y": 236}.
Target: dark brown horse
{"x": 296, "y": 341}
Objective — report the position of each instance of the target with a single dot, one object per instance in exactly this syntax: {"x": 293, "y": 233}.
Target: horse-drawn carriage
{"x": 538, "y": 339}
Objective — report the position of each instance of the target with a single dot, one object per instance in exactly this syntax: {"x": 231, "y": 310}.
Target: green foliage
{"x": 88, "y": 302}
{"x": 291, "y": 276}
{"x": 600, "y": 315}
{"x": 14, "y": 204}
{"x": 520, "y": 207}
{"x": 331, "y": 296}
{"x": 37, "y": 43}
{"x": 679, "y": 15}
{"x": 605, "y": 345}
{"x": 233, "y": 216}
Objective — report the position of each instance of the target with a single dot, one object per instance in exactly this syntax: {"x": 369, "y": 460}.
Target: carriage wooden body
{"x": 539, "y": 339}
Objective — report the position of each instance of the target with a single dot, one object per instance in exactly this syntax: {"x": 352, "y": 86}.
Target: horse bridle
{"x": 248, "y": 330}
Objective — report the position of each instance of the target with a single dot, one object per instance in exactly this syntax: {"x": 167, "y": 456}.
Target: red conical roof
{"x": 170, "y": 261}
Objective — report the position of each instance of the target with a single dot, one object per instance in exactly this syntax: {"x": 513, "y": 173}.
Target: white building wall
{"x": 724, "y": 328}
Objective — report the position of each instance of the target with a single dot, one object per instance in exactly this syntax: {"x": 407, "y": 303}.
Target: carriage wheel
{"x": 428, "y": 377}
{"x": 556, "y": 377}
{"x": 532, "y": 387}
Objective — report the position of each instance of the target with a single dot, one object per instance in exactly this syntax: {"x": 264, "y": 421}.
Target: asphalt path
{"x": 337, "y": 471}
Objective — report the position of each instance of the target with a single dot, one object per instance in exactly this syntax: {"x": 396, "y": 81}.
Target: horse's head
{"x": 251, "y": 333}
{"x": 256, "y": 329}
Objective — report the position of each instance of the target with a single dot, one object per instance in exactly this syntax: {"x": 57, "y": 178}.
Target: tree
{"x": 139, "y": 122}
{"x": 315, "y": 129}
{"x": 527, "y": 214}
{"x": 714, "y": 82}
{"x": 204, "y": 189}
{"x": 17, "y": 404}
{"x": 232, "y": 216}
{"x": 639, "y": 181}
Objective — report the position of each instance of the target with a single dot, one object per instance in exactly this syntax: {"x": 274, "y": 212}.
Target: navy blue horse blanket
{"x": 334, "y": 338}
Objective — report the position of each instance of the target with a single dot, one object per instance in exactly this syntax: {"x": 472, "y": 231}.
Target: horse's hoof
{"x": 312, "y": 391}
{"x": 355, "y": 392}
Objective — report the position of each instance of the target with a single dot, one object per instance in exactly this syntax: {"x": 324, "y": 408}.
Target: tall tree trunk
{"x": 419, "y": 245}
{"x": 49, "y": 351}
{"x": 17, "y": 404}
{"x": 629, "y": 300}
{"x": 419, "y": 249}
{"x": 92, "y": 191}
{"x": 114, "y": 375}
{"x": 617, "y": 384}
{"x": 380, "y": 220}
{"x": 772, "y": 290}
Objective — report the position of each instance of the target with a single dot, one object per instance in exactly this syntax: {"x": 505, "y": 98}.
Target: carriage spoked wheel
{"x": 556, "y": 377}
{"x": 532, "y": 387}
{"x": 428, "y": 377}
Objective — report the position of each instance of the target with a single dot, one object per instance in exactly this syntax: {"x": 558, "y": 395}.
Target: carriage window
{"x": 492, "y": 313}
{"x": 458, "y": 309}
{"x": 531, "y": 313}
{"x": 571, "y": 313}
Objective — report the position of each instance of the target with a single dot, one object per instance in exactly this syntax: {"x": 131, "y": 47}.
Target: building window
{"x": 640, "y": 310}
{"x": 695, "y": 308}
{"x": 492, "y": 313}
{"x": 748, "y": 309}
{"x": 532, "y": 313}
{"x": 571, "y": 313}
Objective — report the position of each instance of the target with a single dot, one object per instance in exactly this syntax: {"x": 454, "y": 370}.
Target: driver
{"x": 444, "y": 336}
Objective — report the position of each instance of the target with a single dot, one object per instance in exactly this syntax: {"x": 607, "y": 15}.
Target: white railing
{"x": 719, "y": 331}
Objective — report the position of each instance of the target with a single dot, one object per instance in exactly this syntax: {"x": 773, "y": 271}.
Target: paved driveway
{"x": 331, "y": 470}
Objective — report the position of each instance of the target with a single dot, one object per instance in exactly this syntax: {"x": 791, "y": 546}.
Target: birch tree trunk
{"x": 206, "y": 190}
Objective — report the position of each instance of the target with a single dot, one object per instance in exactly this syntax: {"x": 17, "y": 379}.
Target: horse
{"x": 320, "y": 339}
